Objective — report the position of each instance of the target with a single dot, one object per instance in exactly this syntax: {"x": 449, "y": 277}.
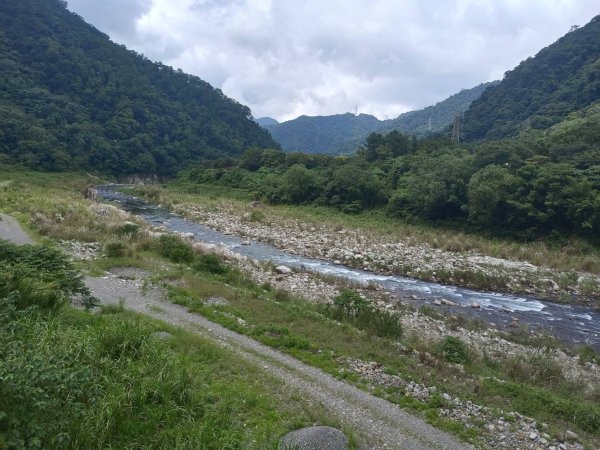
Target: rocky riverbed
{"x": 399, "y": 256}
{"x": 510, "y": 430}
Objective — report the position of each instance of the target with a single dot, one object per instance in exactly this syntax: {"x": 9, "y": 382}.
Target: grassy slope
{"x": 534, "y": 387}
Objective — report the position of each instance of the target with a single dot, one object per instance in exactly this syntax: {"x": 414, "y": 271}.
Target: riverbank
{"x": 500, "y": 396}
{"x": 384, "y": 252}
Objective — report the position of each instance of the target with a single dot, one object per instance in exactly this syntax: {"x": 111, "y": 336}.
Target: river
{"x": 571, "y": 323}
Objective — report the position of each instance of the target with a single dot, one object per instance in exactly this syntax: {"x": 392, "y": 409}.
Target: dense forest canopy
{"x": 70, "y": 98}
{"x": 344, "y": 133}
{"x": 541, "y": 183}
{"x": 562, "y": 78}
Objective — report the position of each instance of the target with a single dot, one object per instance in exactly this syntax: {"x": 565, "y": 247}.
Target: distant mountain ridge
{"x": 264, "y": 121}
{"x": 343, "y": 133}
{"x": 542, "y": 90}
{"x": 72, "y": 99}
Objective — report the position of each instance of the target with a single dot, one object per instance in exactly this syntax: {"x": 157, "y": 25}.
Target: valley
{"x": 175, "y": 273}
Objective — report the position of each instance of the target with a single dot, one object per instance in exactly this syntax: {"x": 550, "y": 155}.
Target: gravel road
{"x": 377, "y": 423}
{"x": 10, "y": 230}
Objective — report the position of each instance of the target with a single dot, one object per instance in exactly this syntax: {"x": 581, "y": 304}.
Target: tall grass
{"x": 350, "y": 307}
{"x": 70, "y": 379}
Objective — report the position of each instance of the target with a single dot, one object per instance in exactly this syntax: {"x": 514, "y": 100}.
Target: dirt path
{"x": 12, "y": 231}
{"x": 377, "y": 423}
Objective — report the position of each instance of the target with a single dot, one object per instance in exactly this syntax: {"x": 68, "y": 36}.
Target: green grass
{"x": 304, "y": 330}
{"x": 72, "y": 379}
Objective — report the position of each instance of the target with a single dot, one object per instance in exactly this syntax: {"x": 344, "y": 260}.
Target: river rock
{"x": 447, "y": 302}
{"x": 284, "y": 270}
{"x": 475, "y": 305}
{"x": 314, "y": 438}
{"x": 571, "y": 436}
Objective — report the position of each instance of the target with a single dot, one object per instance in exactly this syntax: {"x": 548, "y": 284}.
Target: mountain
{"x": 441, "y": 114}
{"x": 72, "y": 99}
{"x": 344, "y": 133}
{"x": 265, "y": 121}
{"x": 340, "y": 133}
{"x": 541, "y": 91}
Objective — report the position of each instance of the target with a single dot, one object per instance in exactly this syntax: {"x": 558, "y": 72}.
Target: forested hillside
{"x": 542, "y": 183}
{"x": 339, "y": 133}
{"x": 562, "y": 78}
{"x": 71, "y": 98}
{"x": 344, "y": 133}
{"x": 441, "y": 114}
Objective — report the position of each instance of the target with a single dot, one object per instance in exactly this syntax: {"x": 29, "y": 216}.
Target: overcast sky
{"x": 285, "y": 58}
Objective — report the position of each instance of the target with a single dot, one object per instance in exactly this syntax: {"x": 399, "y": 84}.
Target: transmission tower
{"x": 456, "y": 129}
{"x": 429, "y": 125}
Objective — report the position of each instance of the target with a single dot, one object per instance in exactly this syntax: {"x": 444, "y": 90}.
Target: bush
{"x": 350, "y": 307}
{"x": 210, "y": 263}
{"x": 175, "y": 249}
{"x": 453, "y": 350}
{"x": 115, "y": 249}
{"x": 38, "y": 275}
{"x": 128, "y": 228}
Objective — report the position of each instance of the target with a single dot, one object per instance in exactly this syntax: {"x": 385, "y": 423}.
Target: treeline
{"x": 539, "y": 184}
{"x": 72, "y": 99}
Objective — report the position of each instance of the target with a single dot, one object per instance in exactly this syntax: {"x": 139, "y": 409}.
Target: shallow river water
{"x": 574, "y": 324}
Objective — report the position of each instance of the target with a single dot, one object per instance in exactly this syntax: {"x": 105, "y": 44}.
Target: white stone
{"x": 283, "y": 270}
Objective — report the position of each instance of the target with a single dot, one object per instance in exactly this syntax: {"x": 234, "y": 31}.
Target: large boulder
{"x": 283, "y": 270}
{"x": 314, "y": 438}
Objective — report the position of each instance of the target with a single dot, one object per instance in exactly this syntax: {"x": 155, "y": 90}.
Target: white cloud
{"x": 286, "y": 58}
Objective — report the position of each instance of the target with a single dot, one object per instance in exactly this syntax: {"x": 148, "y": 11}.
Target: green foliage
{"x": 115, "y": 249}
{"x": 453, "y": 350}
{"x": 527, "y": 187}
{"x": 209, "y": 263}
{"x": 38, "y": 275}
{"x": 546, "y": 403}
{"x": 128, "y": 228}
{"x": 175, "y": 249}
{"x": 540, "y": 91}
{"x": 344, "y": 133}
{"x": 350, "y": 307}
{"x": 72, "y": 99}
{"x": 179, "y": 251}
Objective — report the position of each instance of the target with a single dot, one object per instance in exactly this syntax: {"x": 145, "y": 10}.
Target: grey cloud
{"x": 285, "y": 58}
{"x": 114, "y": 17}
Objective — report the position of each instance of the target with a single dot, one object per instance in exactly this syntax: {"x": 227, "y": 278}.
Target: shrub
{"x": 38, "y": 275}
{"x": 115, "y": 249}
{"x": 210, "y": 263}
{"x": 281, "y": 295}
{"x": 128, "y": 228}
{"x": 175, "y": 249}
{"x": 350, "y": 307}
{"x": 453, "y": 350}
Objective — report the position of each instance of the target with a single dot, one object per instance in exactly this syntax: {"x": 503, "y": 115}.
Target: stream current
{"x": 572, "y": 323}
